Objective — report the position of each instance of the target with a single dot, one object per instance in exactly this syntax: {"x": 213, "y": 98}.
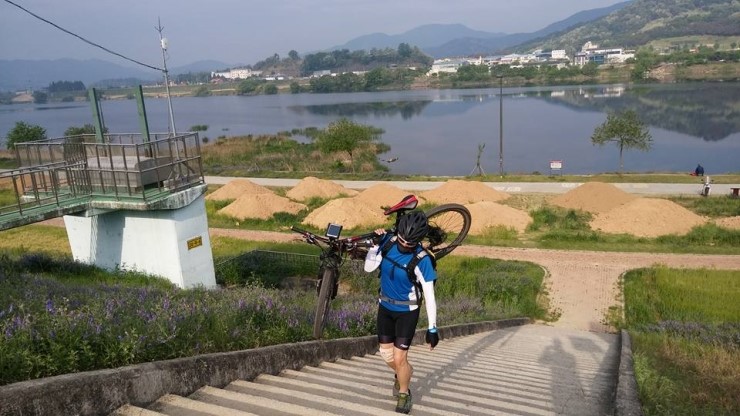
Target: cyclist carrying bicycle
{"x": 401, "y": 290}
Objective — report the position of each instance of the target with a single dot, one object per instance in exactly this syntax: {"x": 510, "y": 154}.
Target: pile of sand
{"x": 463, "y": 192}
{"x": 311, "y": 187}
{"x": 349, "y": 212}
{"x": 732, "y": 223}
{"x": 260, "y": 206}
{"x": 593, "y": 197}
{"x": 236, "y": 188}
{"x": 382, "y": 195}
{"x": 490, "y": 214}
{"x": 647, "y": 217}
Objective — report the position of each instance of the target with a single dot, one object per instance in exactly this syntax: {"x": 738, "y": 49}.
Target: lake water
{"x": 438, "y": 132}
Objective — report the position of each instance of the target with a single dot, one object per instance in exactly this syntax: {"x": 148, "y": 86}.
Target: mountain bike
{"x": 448, "y": 226}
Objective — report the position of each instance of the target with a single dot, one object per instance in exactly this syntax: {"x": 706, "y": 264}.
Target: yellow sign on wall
{"x": 195, "y": 242}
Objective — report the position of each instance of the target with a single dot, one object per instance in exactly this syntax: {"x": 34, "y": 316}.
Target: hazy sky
{"x": 246, "y": 31}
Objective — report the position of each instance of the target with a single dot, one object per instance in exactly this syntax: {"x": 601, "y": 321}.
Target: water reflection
{"x": 406, "y": 109}
{"x": 710, "y": 113}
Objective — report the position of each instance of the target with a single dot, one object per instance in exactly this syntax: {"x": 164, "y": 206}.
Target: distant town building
{"x": 591, "y": 52}
{"x": 236, "y": 73}
{"x": 319, "y": 74}
{"x": 447, "y": 65}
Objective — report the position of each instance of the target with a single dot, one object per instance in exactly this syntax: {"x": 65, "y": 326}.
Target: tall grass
{"x": 685, "y": 326}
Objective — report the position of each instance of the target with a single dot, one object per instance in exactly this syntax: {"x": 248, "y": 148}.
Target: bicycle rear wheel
{"x": 324, "y": 302}
{"x": 448, "y": 226}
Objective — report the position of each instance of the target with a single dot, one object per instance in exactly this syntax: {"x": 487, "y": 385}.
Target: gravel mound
{"x": 235, "y": 189}
{"x": 647, "y": 217}
{"x": 487, "y": 214}
{"x": 349, "y": 212}
{"x": 311, "y": 187}
{"x": 732, "y": 223}
{"x": 463, "y": 192}
{"x": 260, "y": 206}
{"x": 593, "y": 197}
{"x": 382, "y": 195}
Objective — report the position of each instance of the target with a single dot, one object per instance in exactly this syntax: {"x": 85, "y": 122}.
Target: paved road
{"x": 508, "y": 187}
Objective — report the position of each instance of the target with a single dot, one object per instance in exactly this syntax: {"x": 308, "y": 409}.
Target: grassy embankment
{"x": 58, "y": 317}
{"x": 685, "y": 328}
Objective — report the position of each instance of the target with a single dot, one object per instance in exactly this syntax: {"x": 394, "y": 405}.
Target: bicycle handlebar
{"x": 353, "y": 241}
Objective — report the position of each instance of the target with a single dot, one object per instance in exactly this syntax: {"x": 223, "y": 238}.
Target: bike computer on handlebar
{"x": 333, "y": 230}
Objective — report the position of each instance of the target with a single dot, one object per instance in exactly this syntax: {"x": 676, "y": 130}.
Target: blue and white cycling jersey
{"x": 394, "y": 280}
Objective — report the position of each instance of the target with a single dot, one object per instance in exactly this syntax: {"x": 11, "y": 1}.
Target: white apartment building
{"x": 448, "y": 65}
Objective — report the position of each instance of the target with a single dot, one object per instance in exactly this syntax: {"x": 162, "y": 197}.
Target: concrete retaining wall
{"x": 102, "y": 391}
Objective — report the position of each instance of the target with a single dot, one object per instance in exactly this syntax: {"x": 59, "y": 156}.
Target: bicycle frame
{"x": 334, "y": 249}
{"x": 333, "y": 253}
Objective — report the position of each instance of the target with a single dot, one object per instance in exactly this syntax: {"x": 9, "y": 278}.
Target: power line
{"x": 83, "y": 39}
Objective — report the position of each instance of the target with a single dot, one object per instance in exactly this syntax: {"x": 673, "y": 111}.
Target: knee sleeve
{"x": 387, "y": 354}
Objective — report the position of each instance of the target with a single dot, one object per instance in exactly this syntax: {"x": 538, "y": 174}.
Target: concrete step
{"x": 174, "y": 405}
{"x": 129, "y": 410}
{"x": 525, "y": 370}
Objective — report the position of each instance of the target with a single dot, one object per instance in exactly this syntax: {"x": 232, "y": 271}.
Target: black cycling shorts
{"x": 397, "y": 327}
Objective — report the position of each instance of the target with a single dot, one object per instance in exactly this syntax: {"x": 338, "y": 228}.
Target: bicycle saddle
{"x": 408, "y": 203}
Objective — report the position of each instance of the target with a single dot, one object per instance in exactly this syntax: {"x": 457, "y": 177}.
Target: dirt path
{"x": 582, "y": 285}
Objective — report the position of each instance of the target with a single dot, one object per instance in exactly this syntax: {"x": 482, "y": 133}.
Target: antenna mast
{"x": 163, "y": 42}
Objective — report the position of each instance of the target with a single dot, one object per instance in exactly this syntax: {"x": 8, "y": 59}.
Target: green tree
{"x": 345, "y": 136}
{"x": 293, "y": 55}
{"x": 626, "y": 130}
{"x": 295, "y": 88}
{"x": 374, "y": 79}
{"x": 404, "y": 50}
{"x": 202, "y": 91}
{"x": 591, "y": 69}
{"x": 271, "y": 89}
{"x": 40, "y": 97}
{"x": 247, "y": 86}
{"x": 24, "y": 132}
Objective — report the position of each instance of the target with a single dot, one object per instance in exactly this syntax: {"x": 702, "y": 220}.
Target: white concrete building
{"x": 447, "y": 65}
{"x": 592, "y": 53}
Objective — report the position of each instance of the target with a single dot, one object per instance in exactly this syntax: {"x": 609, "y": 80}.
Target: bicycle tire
{"x": 449, "y": 225}
{"x": 324, "y": 302}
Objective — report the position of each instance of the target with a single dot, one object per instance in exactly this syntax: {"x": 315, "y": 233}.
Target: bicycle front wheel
{"x": 324, "y": 302}
{"x": 448, "y": 226}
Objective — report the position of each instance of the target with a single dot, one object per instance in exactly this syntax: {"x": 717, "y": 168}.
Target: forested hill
{"x": 643, "y": 21}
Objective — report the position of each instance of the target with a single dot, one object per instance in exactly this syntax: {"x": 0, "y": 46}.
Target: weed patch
{"x": 685, "y": 326}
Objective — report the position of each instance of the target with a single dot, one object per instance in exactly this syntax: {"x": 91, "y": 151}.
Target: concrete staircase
{"x": 522, "y": 370}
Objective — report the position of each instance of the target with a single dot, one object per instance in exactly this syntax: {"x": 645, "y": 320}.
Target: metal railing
{"x": 37, "y": 187}
{"x": 125, "y": 166}
{"x": 240, "y": 267}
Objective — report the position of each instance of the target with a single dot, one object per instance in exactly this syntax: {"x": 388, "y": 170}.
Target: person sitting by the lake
{"x": 699, "y": 171}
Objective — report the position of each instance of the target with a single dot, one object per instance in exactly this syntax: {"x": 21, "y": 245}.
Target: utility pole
{"x": 501, "y": 124}
{"x": 163, "y": 43}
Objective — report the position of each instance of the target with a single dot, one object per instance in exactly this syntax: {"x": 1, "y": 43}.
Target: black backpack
{"x": 409, "y": 270}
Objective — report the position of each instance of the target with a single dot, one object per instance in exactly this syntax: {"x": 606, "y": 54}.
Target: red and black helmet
{"x": 413, "y": 227}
